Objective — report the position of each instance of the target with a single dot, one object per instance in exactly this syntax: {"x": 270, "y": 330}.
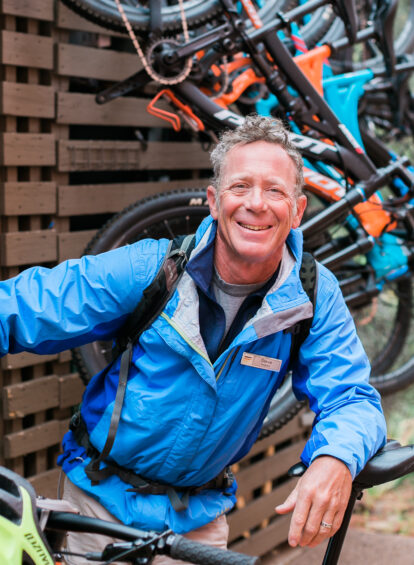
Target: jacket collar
{"x": 200, "y": 266}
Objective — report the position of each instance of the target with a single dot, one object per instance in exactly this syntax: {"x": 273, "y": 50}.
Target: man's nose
{"x": 256, "y": 199}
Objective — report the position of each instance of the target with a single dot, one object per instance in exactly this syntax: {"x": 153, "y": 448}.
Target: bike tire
{"x": 105, "y": 13}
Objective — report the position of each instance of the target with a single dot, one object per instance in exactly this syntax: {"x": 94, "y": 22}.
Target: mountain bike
{"x": 362, "y": 226}
{"x": 32, "y": 530}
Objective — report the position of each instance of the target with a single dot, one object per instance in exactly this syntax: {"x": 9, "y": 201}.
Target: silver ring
{"x": 325, "y": 525}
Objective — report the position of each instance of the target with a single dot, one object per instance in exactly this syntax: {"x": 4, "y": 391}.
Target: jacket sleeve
{"x": 333, "y": 373}
{"x": 48, "y": 310}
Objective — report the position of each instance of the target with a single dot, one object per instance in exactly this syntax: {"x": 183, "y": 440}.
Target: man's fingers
{"x": 323, "y": 529}
{"x": 289, "y": 503}
{"x": 299, "y": 520}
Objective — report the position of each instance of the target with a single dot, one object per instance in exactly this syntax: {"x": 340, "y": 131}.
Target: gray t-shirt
{"x": 231, "y": 296}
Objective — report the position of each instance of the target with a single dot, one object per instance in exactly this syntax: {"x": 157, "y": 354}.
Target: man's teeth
{"x": 254, "y": 228}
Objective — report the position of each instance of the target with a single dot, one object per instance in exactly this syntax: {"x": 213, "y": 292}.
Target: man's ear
{"x": 212, "y": 201}
{"x": 301, "y": 203}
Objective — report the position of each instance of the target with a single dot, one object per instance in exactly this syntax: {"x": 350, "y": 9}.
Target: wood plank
{"x": 26, "y": 149}
{"x": 91, "y": 62}
{"x": 64, "y": 426}
{"x": 26, "y": 49}
{"x": 27, "y": 198}
{"x": 264, "y": 540}
{"x": 70, "y": 390}
{"x": 72, "y": 244}
{"x": 82, "y": 109}
{"x": 74, "y": 200}
{"x": 80, "y": 155}
{"x": 268, "y": 468}
{"x": 28, "y": 247}
{"x": 67, "y": 19}
{"x": 32, "y": 439}
{"x": 30, "y": 397}
{"x": 39, "y": 10}
{"x": 45, "y": 484}
{"x": 19, "y": 360}
{"x": 251, "y": 515}
{"x": 31, "y": 100}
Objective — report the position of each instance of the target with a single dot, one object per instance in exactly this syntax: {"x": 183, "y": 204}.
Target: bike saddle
{"x": 388, "y": 464}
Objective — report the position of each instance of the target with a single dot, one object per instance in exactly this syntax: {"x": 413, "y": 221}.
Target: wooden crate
{"x": 66, "y": 165}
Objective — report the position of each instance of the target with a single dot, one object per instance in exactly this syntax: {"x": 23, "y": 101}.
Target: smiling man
{"x": 203, "y": 374}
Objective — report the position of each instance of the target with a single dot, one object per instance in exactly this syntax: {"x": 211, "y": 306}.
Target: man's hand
{"x": 320, "y": 496}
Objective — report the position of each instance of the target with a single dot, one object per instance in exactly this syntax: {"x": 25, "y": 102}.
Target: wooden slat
{"x": 254, "y": 512}
{"x": 72, "y": 244}
{"x": 30, "y": 397}
{"x": 9, "y": 362}
{"x": 70, "y": 390}
{"x": 82, "y": 109}
{"x": 80, "y": 155}
{"x": 28, "y": 247}
{"x": 19, "y": 198}
{"x": 39, "y": 9}
{"x": 26, "y": 149}
{"x": 45, "y": 484}
{"x": 90, "y": 62}
{"x": 32, "y": 439}
{"x": 74, "y": 200}
{"x": 67, "y": 19}
{"x": 63, "y": 427}
{"x": 269, "y": 468}
{"x": 31, "y": 100}
{"x": 26, "y": 49}
{"x": 264, "y": 540}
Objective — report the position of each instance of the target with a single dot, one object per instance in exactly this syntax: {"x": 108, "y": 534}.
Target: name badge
{"x": 261, "y": 362}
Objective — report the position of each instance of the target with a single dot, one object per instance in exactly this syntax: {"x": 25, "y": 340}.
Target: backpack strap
{"x": 157, "y": 294}
{"x": 301, "y": 330}
{"x": 155, "y": 297}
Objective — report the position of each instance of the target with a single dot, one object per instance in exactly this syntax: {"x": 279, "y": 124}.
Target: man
{"x": 194, "y": 404}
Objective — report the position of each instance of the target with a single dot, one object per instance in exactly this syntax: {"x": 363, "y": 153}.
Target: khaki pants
{"x": 215, "y": 533}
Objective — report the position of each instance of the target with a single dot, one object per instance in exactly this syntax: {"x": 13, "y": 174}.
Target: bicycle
{"x": 35, "y": 528}
{"x": 354, "y": 255}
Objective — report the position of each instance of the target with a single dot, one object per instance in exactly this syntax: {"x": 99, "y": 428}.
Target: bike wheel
{"x": 384, "y": 329}
{"x": 383, "y": 323}
{"x": 106, "y": 14}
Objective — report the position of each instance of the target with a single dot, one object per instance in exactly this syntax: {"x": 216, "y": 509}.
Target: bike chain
{"x": 154, "y": 75}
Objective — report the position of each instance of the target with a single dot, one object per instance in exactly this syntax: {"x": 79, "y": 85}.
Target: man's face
{"x": 255, "y": 208}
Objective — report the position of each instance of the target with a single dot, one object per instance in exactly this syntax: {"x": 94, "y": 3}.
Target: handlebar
{"x": 188, "y": 550}
{"x": 144, "y": 544}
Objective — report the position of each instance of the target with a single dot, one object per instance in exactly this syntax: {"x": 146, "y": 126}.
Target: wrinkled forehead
{"x": 269, "y": 161}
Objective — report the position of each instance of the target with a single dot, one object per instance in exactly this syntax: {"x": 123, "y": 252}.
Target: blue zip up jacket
{"x": 185, "y": 418}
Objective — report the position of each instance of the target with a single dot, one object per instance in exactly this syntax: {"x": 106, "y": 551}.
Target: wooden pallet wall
{"x": 66, "y": 165}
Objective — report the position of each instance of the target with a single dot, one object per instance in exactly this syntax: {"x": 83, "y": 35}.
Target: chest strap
{"x": 140, "y": 484}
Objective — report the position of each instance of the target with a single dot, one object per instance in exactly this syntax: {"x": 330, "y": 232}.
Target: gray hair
{"x": 257, "y": 128}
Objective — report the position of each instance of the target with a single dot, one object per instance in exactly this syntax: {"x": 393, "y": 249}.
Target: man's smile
{"x": 253, "y": 227}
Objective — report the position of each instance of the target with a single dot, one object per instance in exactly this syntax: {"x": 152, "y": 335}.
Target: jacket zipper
{"x": 233, "y": 355}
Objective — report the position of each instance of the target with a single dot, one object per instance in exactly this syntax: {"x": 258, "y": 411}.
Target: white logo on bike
{"x": 317, "y": 147}
{"x": 230, "y": 116}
